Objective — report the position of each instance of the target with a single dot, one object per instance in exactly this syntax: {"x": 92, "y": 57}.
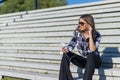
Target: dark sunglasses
{"x": 81, "y": 23}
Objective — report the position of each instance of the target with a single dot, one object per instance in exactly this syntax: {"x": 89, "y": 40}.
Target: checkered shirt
{"x": 82, "y": 44}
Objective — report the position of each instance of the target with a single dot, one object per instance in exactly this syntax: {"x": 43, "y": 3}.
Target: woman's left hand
{"x": 90, "y": 29}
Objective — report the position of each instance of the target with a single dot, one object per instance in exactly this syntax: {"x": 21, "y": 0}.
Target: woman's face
{"x": 83, "y": 25}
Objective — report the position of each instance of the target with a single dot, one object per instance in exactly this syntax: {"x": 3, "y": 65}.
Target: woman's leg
{"x": 65, "y": 73}
{"x": 77, "y": 60}
{"x": 92, "y": 62}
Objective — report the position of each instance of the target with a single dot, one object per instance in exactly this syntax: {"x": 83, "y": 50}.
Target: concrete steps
{"x": 30, "y": 41}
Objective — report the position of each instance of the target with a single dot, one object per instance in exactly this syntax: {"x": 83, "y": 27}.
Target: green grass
{"x": 10, "y": 78}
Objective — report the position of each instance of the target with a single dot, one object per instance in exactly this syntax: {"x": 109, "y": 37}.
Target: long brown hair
{"x": 90, "y": 20}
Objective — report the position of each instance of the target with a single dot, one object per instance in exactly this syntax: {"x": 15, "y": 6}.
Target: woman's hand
{"x": 89, "y": 32}
{"x": 90, "y": 29}
{"x": 92, "y": 46}
{"x": 65, "y": 50}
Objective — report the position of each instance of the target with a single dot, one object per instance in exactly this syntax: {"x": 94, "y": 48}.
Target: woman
{"x": 87, "y": 40}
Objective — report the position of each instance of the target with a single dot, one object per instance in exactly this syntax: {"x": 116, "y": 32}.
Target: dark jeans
{"x": 90, "y": 63}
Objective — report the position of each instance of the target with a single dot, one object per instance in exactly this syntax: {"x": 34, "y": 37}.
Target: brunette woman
{"x": 87, "y": 40}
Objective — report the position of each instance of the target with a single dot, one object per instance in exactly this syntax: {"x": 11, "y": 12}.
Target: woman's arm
{"x": 71, "y": 44}
{"x": 92, "y": 45}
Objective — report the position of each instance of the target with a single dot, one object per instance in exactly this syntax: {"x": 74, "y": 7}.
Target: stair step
{"x": 28, "y": 75}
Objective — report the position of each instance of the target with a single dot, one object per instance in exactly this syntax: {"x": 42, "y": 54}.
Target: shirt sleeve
{"x": 72, "y": 42}
{"x": 97, "y": 40}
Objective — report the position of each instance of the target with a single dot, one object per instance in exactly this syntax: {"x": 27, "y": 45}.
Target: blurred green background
{"x": 10, "y": 6}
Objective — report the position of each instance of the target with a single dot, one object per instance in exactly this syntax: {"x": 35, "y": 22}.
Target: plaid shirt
{"x": 82, "y": 44}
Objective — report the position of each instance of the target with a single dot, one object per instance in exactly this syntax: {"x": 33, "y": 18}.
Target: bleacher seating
{"x": 30, "y": 41}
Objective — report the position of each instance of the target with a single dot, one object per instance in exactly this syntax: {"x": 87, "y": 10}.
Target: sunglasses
{"x": 81, "y": 23}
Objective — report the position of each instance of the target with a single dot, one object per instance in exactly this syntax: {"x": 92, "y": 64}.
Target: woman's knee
{"x": 65, "y": 56}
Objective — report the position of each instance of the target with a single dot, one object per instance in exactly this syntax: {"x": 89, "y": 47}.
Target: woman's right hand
{"x": 65, "y": 50}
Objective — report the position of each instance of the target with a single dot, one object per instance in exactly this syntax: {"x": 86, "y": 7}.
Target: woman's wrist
{"x": 90, "y": 34}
